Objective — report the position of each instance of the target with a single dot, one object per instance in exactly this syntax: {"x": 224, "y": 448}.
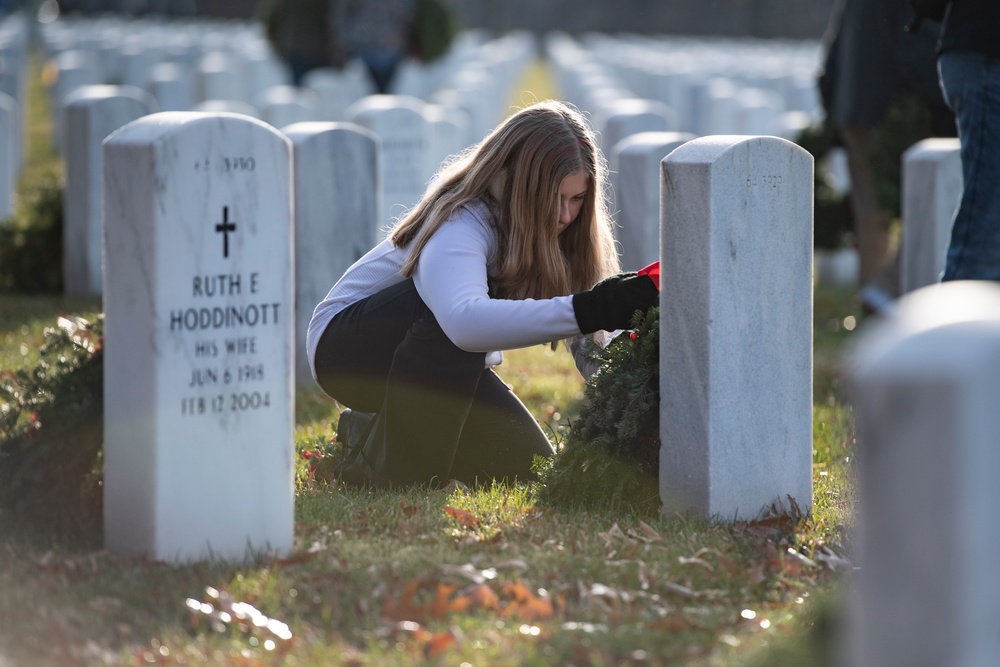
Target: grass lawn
{"x": 449, "y": 577}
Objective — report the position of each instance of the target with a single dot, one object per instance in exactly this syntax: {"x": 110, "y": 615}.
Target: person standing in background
{"x": 969, "y": 69}
{"x": 873, "y": 70}
{"x": 376, "y": 32}
{"x": 299, "y": 31}
{"x": 310, "y": 34}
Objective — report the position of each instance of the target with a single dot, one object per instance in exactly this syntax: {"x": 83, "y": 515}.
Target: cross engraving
{"x": 224, "y": 228}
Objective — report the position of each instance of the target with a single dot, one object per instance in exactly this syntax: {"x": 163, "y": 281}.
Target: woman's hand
{"x": 611, "y": 303}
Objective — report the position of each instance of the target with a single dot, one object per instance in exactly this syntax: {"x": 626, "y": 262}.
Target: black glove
{"x": 611, "y": 303}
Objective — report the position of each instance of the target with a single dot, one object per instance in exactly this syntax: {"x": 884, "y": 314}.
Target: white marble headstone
{"x": 482, "y": 95}
{"x": 135, "y": 65}
{"x": 450, "y": 129}
{"x": 198, "y": 347}
{"x": 736, "y": 326}
{"x": 92, "y": 113}
{"x": 636, "y": 176}
{"x": 335, "y": 89}
{"x": 73, "y": 71}
{"x": 717, "y": 107}
{"x": 412, "y": 78}
{"x": 263, "y": 70}
{"x": 220, "y": 76}
{"x": 406, "y": 143}
{"x": 12, "y": 76}
{"x": 925, "y": 380}
{"x": 9, "y": 159}
{"x": 226, "y": 106}
{"x": 337, "y": 197}
{"x": 170, "y": 84}
{"x": 284, "y": 105}
{"x": 758, "y": 111}
{"x": 625, "y": 117}
{"x": 12, "y": 72}
{"x": 932, "y": 190}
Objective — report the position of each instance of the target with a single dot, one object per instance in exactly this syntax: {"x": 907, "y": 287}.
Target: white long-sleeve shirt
{"x": 451, "y": 278}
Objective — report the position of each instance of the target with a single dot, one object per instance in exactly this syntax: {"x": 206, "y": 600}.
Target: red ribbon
{"x": 653, "y": 271}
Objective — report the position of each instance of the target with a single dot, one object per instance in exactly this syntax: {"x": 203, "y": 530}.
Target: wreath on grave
{"x": 610, "y": 456}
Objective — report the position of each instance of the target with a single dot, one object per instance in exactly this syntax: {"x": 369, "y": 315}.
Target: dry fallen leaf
{"x": 680, "y": 590}
{"x": 454, "y": 485}
{"x": 800, "y": 558}
{"x": 643, "y": 579}
{"x": 481, "y": 596}
{"x": 464, "y": 517}
{"x": 729, "y": 566}
{"x": 645, "y": 532}
{"x": 831, "y": 560}
{"x": 526, "y": 604}
{"x": 224, "y": 612}
{"x": 613, "y": 533}
{"x": 438, "y": 643}
{"x": 673, "y": 623}
{"x": 696, "y": 561}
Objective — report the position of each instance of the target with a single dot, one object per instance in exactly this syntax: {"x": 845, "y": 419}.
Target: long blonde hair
{"x": 517, "y": 170}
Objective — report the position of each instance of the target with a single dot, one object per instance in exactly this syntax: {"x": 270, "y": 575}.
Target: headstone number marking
{"x": 224, "y": 228}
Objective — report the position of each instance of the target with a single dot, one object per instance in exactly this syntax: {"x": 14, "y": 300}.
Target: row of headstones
{"x": 230, "y": 67}
{"x": 400, "y": 137}
{"x": 701, "y": 86}
{"x": 643, "y": 101}
{"x": 205, "y": 258}
{"x": 931, "y": 189}
{"x": 414, "y": 138}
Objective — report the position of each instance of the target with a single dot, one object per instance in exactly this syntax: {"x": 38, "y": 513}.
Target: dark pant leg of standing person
{"x": 382, "y": 66}
{"x": 387, "y": 354}
{"x": 871, "y": 221}
{"x": 971, "y": 84}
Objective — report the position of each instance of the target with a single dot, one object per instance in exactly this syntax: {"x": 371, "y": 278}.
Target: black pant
{"x": 441, "y": 413}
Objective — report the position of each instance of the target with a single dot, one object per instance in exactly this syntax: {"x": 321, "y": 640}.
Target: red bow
{"x": 653, "y": 271}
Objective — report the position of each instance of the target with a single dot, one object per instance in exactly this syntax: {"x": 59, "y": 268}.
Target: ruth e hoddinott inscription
{"x": 199, "y": 400}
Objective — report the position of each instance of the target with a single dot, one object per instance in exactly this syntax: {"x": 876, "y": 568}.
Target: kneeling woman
{"x": 502, "y": 252}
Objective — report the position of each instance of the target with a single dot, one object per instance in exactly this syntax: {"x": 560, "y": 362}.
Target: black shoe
{"x": 352, "y": 432}
{"x": 350, "y": 474}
